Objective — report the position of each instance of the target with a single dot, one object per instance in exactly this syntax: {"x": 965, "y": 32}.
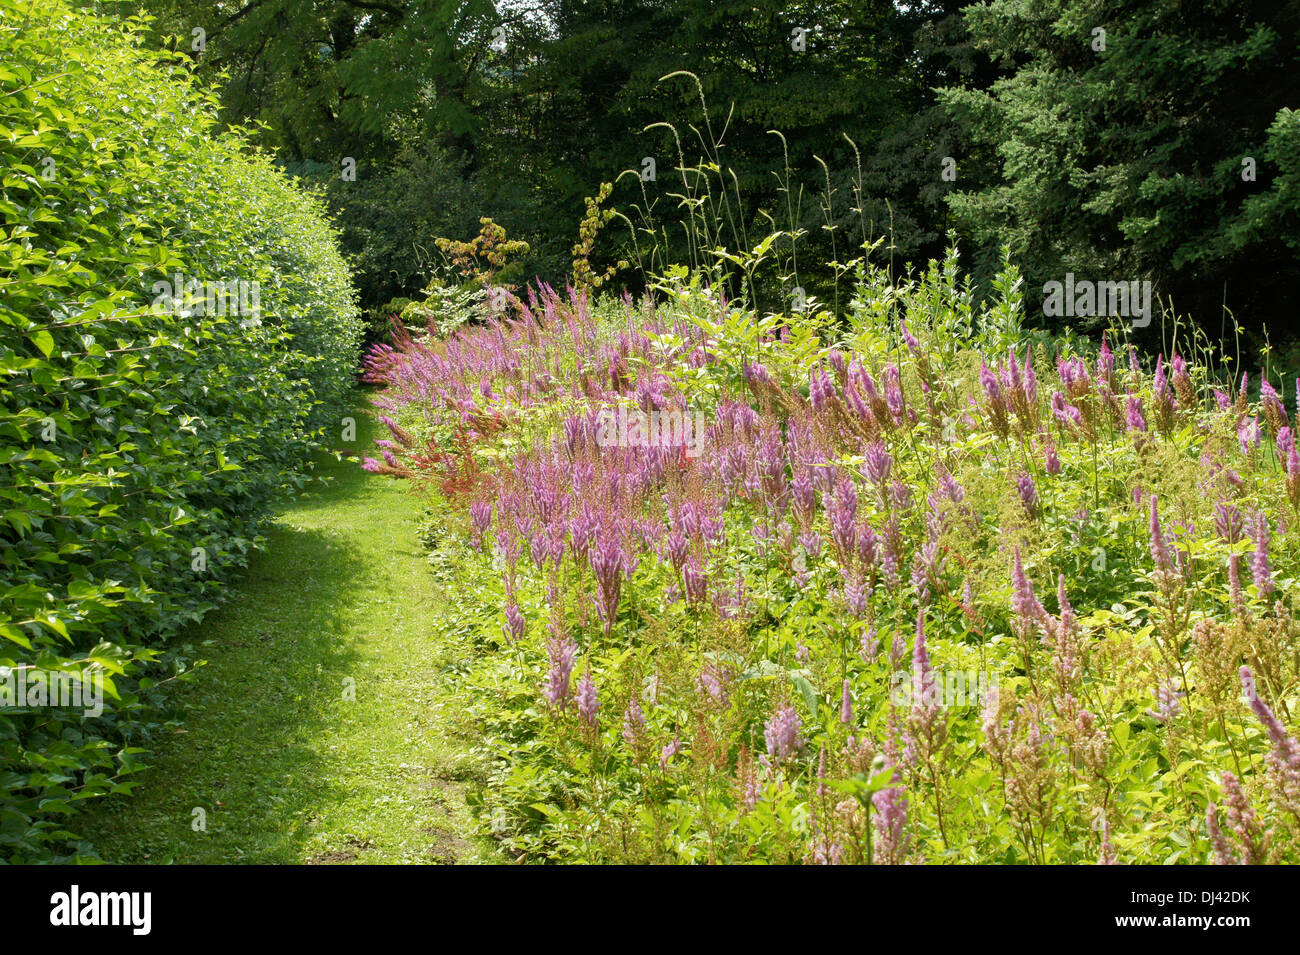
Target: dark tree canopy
{"x": 1161, "y": 148}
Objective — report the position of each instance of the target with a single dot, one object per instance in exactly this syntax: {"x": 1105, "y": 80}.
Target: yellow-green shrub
{"x": 142, "y": 445}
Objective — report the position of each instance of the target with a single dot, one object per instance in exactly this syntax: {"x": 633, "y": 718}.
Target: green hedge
{"x": 142, "y": 440}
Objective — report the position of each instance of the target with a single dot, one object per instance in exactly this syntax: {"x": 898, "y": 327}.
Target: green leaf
{"x": 44, "y": 341}
{"x": 12, "y": 633}
{"x": 806, "y": 689}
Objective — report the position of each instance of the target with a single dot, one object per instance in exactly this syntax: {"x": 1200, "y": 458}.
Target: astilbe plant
{"x": 892, "y": 508}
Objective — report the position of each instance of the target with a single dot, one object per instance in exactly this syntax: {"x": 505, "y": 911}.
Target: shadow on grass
{"x": 280, "y": 654}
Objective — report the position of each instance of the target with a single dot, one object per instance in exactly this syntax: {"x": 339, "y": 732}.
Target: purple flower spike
{"x": 515, "y": 623}
{"x": 782, "y": 734}
{"x": 1133, "y": 417}
{"x": 877, "y": 464}
{"x": 890, "y": 819}
{"x": 894, "y": 393}
{"x": 1284, "y": 758}
{"x": 562, "y": 653}
{"x": 1159, "y": 545}
{"x": 1052, "y": 460}
{"x": 587, "y": 702}
{"x": 1024, "y": 604}
{"x": 1259, "y": 566}
{"x": 633, "y": 723}
{"x": 668, "y": 752}
{"x": 1028, "y": 493}
{"x": 913, "y": 345}
{"x": 607, "y": 561}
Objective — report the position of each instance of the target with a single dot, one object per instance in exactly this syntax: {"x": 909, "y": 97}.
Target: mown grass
{"x": 285, "y": 766}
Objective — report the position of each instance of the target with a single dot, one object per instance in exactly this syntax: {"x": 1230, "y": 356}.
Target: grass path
{"x": 286, "y": 768}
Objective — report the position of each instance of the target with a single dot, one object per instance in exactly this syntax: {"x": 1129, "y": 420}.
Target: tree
{"x": 1123, "y": 136}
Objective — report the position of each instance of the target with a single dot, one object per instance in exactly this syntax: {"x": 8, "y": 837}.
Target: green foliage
{"x": 1123, "y": 153}
{"x": 445, "y": 308}
{"x": 437, "y": 106}
{"x": 328, "y": 78}
{"x": 378, "y": 321}
{"x": 145, "y": 432}
{"x": 1123, "y": 161}
{"x": 338, "y": 601}
{"x": 1098, "y": 557}
{"x": 486, "y": 260}
{"x": 390, "y": 213}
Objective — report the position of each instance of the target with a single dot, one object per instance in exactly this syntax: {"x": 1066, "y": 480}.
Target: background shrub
{"x": 142, "y": 443}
